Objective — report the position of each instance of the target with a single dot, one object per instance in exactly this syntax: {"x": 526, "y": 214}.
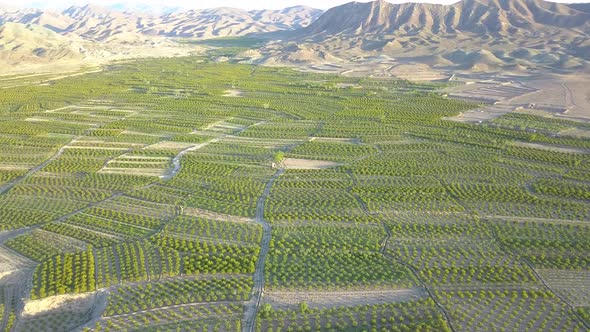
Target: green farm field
{"x": 189, "y": 195}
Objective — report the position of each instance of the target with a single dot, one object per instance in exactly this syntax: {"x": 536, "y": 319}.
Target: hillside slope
{"x": 101, "y": 23}
{"x": 471, "y": 34}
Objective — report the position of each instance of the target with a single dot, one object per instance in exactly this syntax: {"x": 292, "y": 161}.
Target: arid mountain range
{"x": 95, "y": 34}
{"x": 471, "y": 34}
{"x": 103, "y": 24}
{"x": 474, "y": 35}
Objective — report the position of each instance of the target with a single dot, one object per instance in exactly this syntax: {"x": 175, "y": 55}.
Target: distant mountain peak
{"x": 488, "y": 31}
{"x": 87, "y": 10}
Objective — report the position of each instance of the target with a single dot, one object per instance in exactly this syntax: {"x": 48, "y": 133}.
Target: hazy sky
{"x": 246, "y": 4}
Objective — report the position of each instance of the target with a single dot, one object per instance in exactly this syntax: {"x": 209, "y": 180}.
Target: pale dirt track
{"x": 251, "y": 307}
{"x": 293, "y": 163}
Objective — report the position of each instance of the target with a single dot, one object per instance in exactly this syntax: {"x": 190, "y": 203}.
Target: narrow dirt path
{"x": 420, "y": 280}
{"x": 34, "y": 170}
{"x": 539, "y": 278}
{"x": 8, "y": 295}
{"x": 176, "y": 159}
{"x": 383, "y": 251}
{"x": 252, "y": 306}
{"x": 569, "y": 99}
{"x": 6, "y": 187}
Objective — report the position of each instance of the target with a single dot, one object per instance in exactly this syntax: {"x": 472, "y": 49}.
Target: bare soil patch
{"x": 170, "y": 146}
{"x": 347, "y": 85}
{"x": 418, "y": 72}
{"x": 10, "y": 262}
{"x": 68, "y": 302}
{"x": 144, "y": 157}
{"x": 7, "y": 167}
{"x": 293, "y": 163}
{"x": 135, "y": 171}
{"x": 96, "y": 148}
{"x": 233, "y": 93}
{"x": 214, "y": 216}
{"x": 482, "y": 114}
{"x": 337, "y": 139}
{"x": 571, "y": 284}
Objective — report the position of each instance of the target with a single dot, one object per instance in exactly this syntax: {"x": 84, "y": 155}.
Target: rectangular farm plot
{"x": 161, "y": 194}
{"x": 20, "y": 211}
{"x": 151, "y": 209}
{"x": 191, "y": 317}
{"x": 537, "y": 123}
{"x": 82, "y": 159}
{"x": 333, "y": 151}
{"x": 154, "y": 166}
{"x": 317, "y": 256}
{"x": 202, "y": 255}
{"x": 509, "y": 309}
{"x": 341, "y": 298}
{"x": 573, "y": 285}
{"x": 297, "y": 163}
{"x": 293, "y": 130}
{"x": 226, "y": 127}
{"x": 453, "y": 250}
{"x": 40, "y": 245}
{"x": 230, "y": 231}
{"x": 363, "y": 130}
{"x": 546, "y": 244}
{"x": 60, "y": 313}
{"x": 401, "y": 193}
{"x": 314, "y": 195}
{"x": 417, "y": 315}
{"x": 175, "y": 292}
{"x": 221, "y": 187}
{"x": 212, "y": 246}
{"x": 492, "y": 92}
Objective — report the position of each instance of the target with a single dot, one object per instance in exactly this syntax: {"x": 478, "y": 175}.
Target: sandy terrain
{"x": 559, "y": 96}
{"x": 97, "y": 148}
{"x": 196, "y": 212}
{"x": 571, "y": 92}
{"x": 11, "y": 167}
{"x": 233, "y": 93}
{"x": 10, "y": 261}
{"x": 68, "y": 302}
{"x": 98, "y": 55}
{"x": 572, "y": 285}
{"x": 482, "y": 114}
{"x": 347, "y": 85}
{"x": 293, "y": 163}
{"x": 336, "y": 139}
{"x": 284, "y": 300}
{"x": 145, "y": 157}
{"x": 130, "y": 132}
{"x": 380, "y": 67}
{"x": 135, "y": 171}
{"x": 418, "y": 72}
{"x": 141, "y": 162}
{"x": 95, "y": 142}
{"x": 170, "y": 146}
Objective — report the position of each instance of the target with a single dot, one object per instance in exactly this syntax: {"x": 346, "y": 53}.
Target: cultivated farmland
{"x": 128, "y": 205}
